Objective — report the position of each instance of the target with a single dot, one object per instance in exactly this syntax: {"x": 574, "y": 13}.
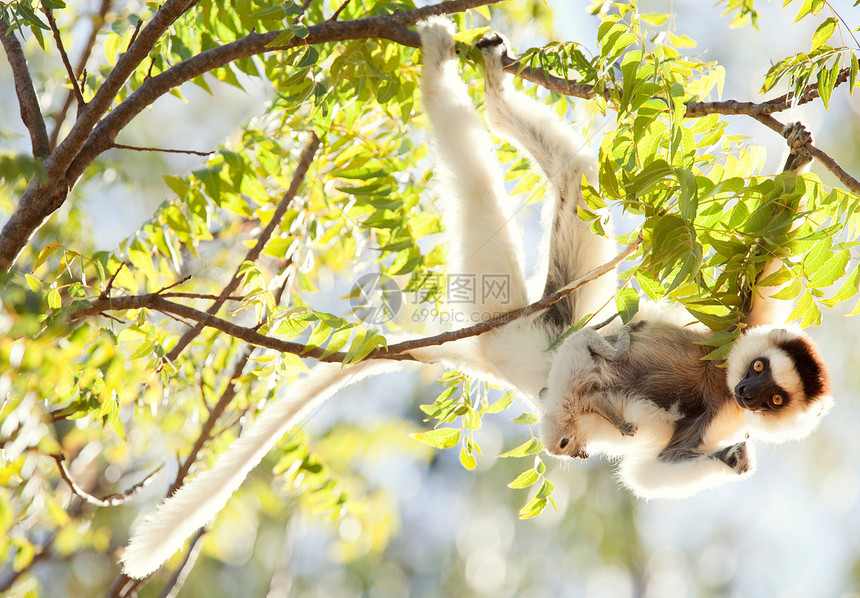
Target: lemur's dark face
{"x": 758, "y": 390}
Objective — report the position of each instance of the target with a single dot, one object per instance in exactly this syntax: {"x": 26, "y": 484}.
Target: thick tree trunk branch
{"x": 128, "y": 61}
{"x": 83, "y": 144}
{"x": 44, "y": 196}
{"x": 31, "y": 114}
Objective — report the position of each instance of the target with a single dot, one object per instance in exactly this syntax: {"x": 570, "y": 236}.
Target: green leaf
{"x": 655, "y": 18}
{"x": 501, "y": 404}
{"x": 309, "y": 57}
{"x": 823, "y": 33}
{"x": 34, "y": 283}
{"x": 627, "y": 304}
{"x": 545, "y": 490}
{"x": 526, "y": 419}
{"x": 849, "y": 288}
{"x": 533, "y": 508}
{"x": 24, "y": 554}
{"x": 525, "y": 479}
{"x": 440, "y": 438}
{"x": 54, "y": 299}
{"x": 45, "y": 253}
{"x": 466, "y": 459}
{"x": 338, "y": 340}
{"x": 530, "y": 447}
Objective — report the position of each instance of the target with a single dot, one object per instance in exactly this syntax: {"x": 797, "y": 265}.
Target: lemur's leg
{"x": 735, "y": 457}
{"x": 564, "y": 159}
{"x": 610, "y": 348}
{"x": 677, "y": 479}
{"x": 607, "y": 411}
{"x": 556, "y": 148}
{"x": 481, "y": 244}
{"x": 682, "y": 473}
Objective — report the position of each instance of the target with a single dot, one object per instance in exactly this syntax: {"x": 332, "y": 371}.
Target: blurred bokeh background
{"x": 430, "y": 527}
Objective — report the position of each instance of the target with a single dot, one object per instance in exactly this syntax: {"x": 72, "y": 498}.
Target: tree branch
{"x": 214, "y": 415}
{"x": 849, "y": 181}
{"x": 136, "y": 148}
{"x": 255, "y": 251}
{"x": 84, "y": 143}
{"x": 108, "y": 501}
{"x": 177, "y": 580}
{"x": 44, "y": 196}
{"x": 31, "y": 114}
{"x": 60, "y": 118}
{"x": 397, "y": 351}
{"x": 76, "y": 90}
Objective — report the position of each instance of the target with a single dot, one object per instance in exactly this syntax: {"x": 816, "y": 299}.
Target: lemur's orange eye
{"x": 758, "y": 365}
{"x": 777, "y": 400}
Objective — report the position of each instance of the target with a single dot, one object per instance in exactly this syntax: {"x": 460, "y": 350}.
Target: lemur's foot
{"x": 493, "y": 43}
{"x": 493, "y": 47}
{"x": 627, "y": 428}
{"x": 798, "y": 137}
{"x": 736, "y": 457}
{"x": 437, "y": 40}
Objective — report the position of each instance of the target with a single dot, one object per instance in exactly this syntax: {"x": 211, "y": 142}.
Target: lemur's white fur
{"x": 196, "y": 503}
{"x": 481, "y": 242}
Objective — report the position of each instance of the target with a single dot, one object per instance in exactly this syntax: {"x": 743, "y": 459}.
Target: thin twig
{"x": 80, "y": 71}
{"x": 108, "y": 501}
{"x": 849, "y": 181}
{"x": 251, "y": 256}
{"x": 182, "y": 280}
{"x": 204, "y": 296}
{"x": 31, "y": 114}
{"x": 58, "y": 40}
{"x": 215, "y": 414}
{"x": 134, "y": 34}
{"x": 106, "y": 291}
{"x": 160, "y": 149}
{"x": 175, "y": 319}
{"x": 125, "y": 587}
{"x": 339, "y": 10}
{"x": 177, "y": 580}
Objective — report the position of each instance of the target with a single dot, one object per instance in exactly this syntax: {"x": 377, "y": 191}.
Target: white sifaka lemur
{"x": 641, "y": 392}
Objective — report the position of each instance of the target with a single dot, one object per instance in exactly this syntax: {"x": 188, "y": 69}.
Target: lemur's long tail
{"x": 165, "y": 530}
